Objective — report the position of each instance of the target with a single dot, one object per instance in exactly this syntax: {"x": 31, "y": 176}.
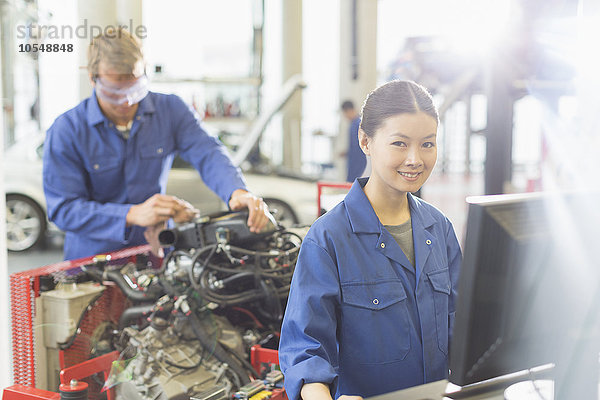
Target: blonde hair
{"x": 116, "y": 48}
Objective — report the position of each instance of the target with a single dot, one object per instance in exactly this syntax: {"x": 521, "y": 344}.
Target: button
{"x": 138, "y": 117}
{"x": 96, "y": 166}
{"x": 159, "y": 150}
{"x": 428, "y": 241}
{"x": 375, "y": 301}
{"x": 383, "y": 245}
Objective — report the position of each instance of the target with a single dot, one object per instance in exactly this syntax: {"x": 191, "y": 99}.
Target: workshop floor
{"x": 51, "y": 252}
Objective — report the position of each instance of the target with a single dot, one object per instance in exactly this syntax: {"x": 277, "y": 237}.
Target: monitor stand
{"x": 500, "y": 383}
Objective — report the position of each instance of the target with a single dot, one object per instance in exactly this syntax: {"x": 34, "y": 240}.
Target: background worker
{"x": 356, "y": 160}
{"x": 107, "y": 160}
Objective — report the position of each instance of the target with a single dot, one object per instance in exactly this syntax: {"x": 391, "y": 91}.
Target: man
{"x": 356, "y": 158}
{"x": 107, "y": 160}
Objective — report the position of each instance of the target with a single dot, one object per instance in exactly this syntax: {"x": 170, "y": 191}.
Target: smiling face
{"x": 403, "y": 152}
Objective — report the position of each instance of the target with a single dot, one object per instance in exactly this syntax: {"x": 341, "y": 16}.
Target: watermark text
{"x": 81, "y": 31}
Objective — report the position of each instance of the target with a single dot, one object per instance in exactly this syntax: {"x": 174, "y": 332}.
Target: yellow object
{"x": 262, "y": 395}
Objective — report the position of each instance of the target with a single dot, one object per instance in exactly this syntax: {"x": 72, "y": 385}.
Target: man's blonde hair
{"x": 116, "y": 48}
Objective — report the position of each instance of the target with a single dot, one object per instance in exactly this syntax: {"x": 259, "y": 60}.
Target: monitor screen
{"x": 528, "y": 291}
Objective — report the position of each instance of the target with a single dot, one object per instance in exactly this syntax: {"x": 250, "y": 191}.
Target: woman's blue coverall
{"x": 360, "y": 317}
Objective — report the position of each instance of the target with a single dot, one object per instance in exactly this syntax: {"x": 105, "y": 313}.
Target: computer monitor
{"x": 528, "y": 290}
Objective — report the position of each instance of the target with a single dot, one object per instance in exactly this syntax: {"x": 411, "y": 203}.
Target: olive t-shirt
{"x": 403, "y": 235}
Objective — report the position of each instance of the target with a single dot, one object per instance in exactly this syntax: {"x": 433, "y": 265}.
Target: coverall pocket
{"x": 374, "y": 322}
{"x": 155, "y": 150}
{"x": 104, "y": 171}
{"x": 440, "y": 281}
{"x": 153, "y": 157}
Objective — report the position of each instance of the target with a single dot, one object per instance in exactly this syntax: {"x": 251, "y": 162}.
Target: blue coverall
{"x": 360, "y": 317}
{"x": 92, "y": 175}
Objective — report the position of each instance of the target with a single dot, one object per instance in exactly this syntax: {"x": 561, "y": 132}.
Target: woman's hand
{"x": 320, "y": 391}
{"x": 315, "y": 391}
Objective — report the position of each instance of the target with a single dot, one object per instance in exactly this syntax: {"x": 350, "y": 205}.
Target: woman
{"x": 371, "y": 306}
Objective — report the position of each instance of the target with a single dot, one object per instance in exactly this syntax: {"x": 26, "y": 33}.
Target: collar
{"x": 146, "y": 105}
{"x": 363, "y": 218}
{"x": 95, "y": 115}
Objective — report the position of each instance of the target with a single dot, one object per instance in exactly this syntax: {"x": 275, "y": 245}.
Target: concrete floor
{"x": 49, "y": 253}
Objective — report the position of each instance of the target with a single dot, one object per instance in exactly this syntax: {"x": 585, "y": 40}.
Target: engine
{"x": 166, "y": 361}
{"x": 188, "y": 331}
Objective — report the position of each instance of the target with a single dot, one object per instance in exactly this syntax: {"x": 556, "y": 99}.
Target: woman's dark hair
{"x": 393, "y": 98}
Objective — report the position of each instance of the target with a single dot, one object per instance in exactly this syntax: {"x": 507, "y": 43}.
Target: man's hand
{"x": 151, "y": 236}
{"x": 159, "y": 208}
{"x": 258, "y": 212}
{"x": 187, "y": 213}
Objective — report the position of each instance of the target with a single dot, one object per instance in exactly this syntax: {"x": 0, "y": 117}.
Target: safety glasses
{"x": 131, "y": 94}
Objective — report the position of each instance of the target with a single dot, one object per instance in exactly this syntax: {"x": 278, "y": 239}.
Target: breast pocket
{"x": 153, "y": 157}
{"x": 105, "y": 175}
{"x": 375, "y": 325}
{"x": 440, "y": 282}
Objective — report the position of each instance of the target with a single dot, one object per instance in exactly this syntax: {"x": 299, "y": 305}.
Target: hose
{"x": 244, "y": 363}
{"x": 219, "y": 352}
{"x": 134, "y": 312}
{"x": 131, "y": 293}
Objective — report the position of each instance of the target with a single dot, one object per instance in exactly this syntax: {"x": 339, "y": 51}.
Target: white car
{"x": 26, "y": 222}
{"x": 293, "y": 201}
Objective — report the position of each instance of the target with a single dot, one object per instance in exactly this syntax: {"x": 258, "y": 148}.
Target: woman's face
{"x": 403, "y": 151}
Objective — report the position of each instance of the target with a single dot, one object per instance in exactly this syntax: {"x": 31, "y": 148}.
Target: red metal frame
{"x": 78, "y": 372}
{"x": 333, "y": 185}
{"x": 278, "y": 394}
{"x": 90, "y": 367}
{"x": 259, "y": 356}
{"x": 22, "y": 392}
{"x": 24, "y": 289}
